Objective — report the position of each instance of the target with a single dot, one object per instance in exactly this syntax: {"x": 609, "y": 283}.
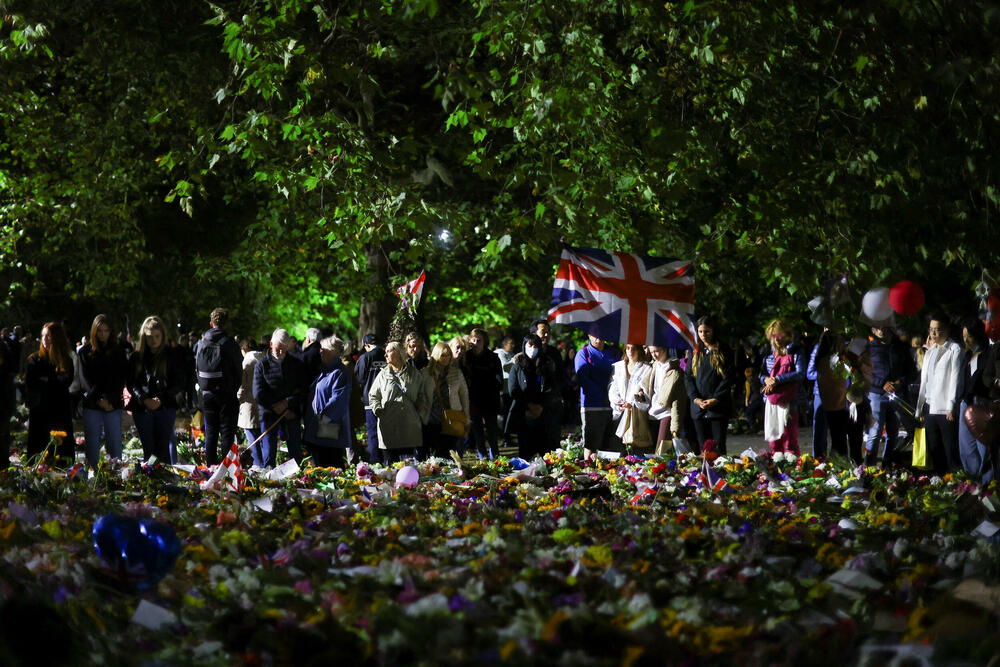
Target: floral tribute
{"x": 789, "y": 560}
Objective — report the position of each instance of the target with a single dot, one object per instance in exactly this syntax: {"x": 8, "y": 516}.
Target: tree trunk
{"x": 378, "y": 305}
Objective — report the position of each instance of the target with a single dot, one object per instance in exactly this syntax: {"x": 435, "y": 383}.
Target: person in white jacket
{"x": 629, "y": 395}
{"x": 939, "y": 378}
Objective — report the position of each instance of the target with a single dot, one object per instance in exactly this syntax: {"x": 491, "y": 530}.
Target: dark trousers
{"x": 220, "y": 412}
{"x": 819, "y": 428}
{"x": 838, "y": 422}
{"x": 326, "y": 457}
{"x": 712, "y": 429}
{"x": 6, "y": 411}
{"x": 486, "y": 435}
{"x": 371, "y": 431}
{"x": 41, "y": 423}
{"x": 438, "y": 444}
{"x": 942, "y": 443}
{"x": 156, "y": 431}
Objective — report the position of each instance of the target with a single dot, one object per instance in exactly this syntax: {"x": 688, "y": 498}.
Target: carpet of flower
{"x": 630, "y": 561}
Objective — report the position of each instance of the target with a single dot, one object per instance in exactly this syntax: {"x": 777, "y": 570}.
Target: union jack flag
{"x": 627, "y": 298}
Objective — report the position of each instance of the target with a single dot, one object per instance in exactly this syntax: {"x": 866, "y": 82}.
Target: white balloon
{"x": 875, "y": 305}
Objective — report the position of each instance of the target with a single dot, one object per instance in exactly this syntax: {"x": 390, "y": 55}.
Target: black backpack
{"x": 208, "y": 362}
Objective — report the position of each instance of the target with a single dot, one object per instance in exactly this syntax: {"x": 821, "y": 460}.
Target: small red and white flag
{"x": 230, "y": 471}
{"x": 410, "y": 292}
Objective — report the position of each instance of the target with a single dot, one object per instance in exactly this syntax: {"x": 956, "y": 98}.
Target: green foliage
{"x": 258, "y": 148}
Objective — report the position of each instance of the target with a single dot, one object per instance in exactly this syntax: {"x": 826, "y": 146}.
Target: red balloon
{"x": 906, "y": 297}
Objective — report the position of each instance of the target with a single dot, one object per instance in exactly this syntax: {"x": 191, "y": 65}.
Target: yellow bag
{"x": 920, "y": 448}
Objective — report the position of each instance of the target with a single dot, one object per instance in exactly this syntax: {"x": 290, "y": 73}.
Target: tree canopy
{"x": 296, "y": 159}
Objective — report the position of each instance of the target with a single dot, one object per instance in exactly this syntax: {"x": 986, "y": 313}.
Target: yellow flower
{"x": 162, "y": 501}
{"x": 7, "y": 530}
{"x": 312, "y": 507}
{"x": 552, "y": 625}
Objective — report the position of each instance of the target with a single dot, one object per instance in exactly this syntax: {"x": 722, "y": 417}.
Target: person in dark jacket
{"x": 370, "y": 363}
{"x": 710, "y": 376}
{"x": 219, "y": 365}
{"x": 416, "y": 351}
{"x": 974, "y": 455}
{"x": 310, "y": 354}
{"x": 10, "y": 360}
{"x": 155, "y": 379}
{"x": 535, "y": 407}
{"x": 892, "y": 371}
{"x": 103, "y": 375}
{"x": 49, "y": 375}
{"x": 279, "y": 386}
{"x": 484, "y": 376}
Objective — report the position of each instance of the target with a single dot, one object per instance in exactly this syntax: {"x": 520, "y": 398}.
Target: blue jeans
{"x": 973, "y": 454}
{"x": 819, "y": 427}
{"x": 883, "y": 416}
{"x": 96, "y": 423}
{"x": 156, "y": 432}
{"x": 251, "y": 435}
{"x": 292, "y": 429}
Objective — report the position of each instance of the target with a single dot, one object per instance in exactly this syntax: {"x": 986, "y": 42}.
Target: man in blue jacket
{"x": 891, "y": 371}
{"x": 593, "y": 365}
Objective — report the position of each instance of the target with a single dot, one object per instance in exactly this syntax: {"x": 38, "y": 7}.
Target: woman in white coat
{"x": 629, "y": 394}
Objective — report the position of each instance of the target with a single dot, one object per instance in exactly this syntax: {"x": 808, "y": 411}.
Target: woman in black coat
{"x": 484, "y": 375}
{"x": 711, "y": 373}
{"x": 103, "y": 375}
{"x": 535, "y": 400}
{"x": 48, "y": 377}
{"x": 155, "y": 379}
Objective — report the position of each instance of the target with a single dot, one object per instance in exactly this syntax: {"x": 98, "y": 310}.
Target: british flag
{"x": 627, "y": 298}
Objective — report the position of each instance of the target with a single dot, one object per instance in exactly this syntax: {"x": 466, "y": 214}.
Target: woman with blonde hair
{"x": 669, "y": 399}
{"x": 445, "y": 388}
{"x": 396, "y": 398}
{"x": 781, "y": 374}
{"x": 48, "y": 380}
{"x": 156, "y": 377}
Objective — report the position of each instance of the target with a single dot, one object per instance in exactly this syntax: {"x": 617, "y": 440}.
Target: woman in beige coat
{"x": 669, "y": 398}
{"x": 248, "y": 418}
{"x": 396, "y": 398}
{"x": 444, "y": 389}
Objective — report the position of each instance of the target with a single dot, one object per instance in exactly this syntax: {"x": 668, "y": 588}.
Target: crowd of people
{"x": 863, "y": 397}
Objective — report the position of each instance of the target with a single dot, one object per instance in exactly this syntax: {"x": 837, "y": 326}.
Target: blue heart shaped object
{"x": 138, "y": 551}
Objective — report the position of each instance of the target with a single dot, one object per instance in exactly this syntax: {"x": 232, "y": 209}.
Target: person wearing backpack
{"x": 219, "y": 365}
